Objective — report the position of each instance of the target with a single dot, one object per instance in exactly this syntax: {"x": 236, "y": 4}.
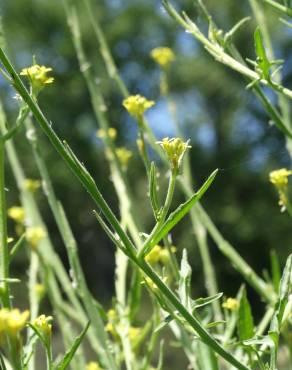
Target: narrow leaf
{"x": 163, "y": 324}
{"x": 180, "y": 212}
{"x": 276, "y": 270}
{"x": 200, "y": 302}
{"x": 153, "y": 189}
{"x": 70, "y": 353}
{"x": 245, "y": 319}
{"x": 2, "y": 363}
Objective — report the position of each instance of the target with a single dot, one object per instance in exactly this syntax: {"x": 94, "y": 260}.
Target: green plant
{"x": 206, "y": 330}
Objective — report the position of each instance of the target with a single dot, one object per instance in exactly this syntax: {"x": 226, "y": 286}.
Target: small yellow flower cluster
{"x": 175, "y": 149}
{"x": 124, "y": 155}
{"x": 34, "y": 235}
{"x": 12, "y": 321}
{"x": 40, "y": 291}
{"x": 38, "y": 76}
{"x": 136, "y": 105}
{"x": 134, "y": 333}
{"x": 111, "y": 132}
{"x": 93, "y": 366}
{"x": 31, "y": 185}
{"x": 279, "y": 178}
{"x": 152, "y": 285}
{"x": 231, "y": 304}
{"x": 163, "y": 56}
{"x": 43, "y": 324}
{"x": 17, "y": 214}
{"x": 110, "y": 327}
{"x": 159, "y": 254}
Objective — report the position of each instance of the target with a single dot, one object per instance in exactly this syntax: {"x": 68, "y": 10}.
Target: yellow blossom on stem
{"x": 112, "y": 315}
{"x": 124, "y": 155}
{"x": 40, "y": 291}
{"x": 31, "y": 184}
{"x": 17, "y": 214}
{"x": 231, "y": 304}
{"x": 159, "y": 254}
{"x": 43, "y": 324}
{"x": 112, "y": 133}
{"x": 279, "y": 178}
{"x": 34, "y": 235}
{"x": 153, "y": 256}
{"x": 163, "y": 56}
{"x": 93, "y": 366}
{"x": 175, "y": 149}
{"x": 136, "y": 105}
{"x": 151, "y": 284}
{"x": 12, "y": 321}
{"x": 134, "y": 333}
{"x": 38, "y": 76}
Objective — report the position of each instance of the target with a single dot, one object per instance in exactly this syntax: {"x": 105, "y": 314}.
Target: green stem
{"x": 283, "y": 9}
{"x": 265, "y": 291}
{"x": 104, "y": 49}
{"x": 171, "y": 186}
{"x": 4, "y": 253}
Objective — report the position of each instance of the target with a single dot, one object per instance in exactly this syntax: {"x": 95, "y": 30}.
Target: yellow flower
{"x": 151, "y": 284}
{"x": 159, "y": 254}
{"x": 17, "y": 214}
{"x": 31, "y": 185}
{"x": 43, "y": 324}
{"x": 34, "y": 235}
{"x": 112, "y": 133}
{"x": 163, "y": 56}
{"x": 12, "y": 321}
{"x": 40, "y": 291}
{"x": 154, "y": 255}
{"x": 37, "y": 76}
{"x": 123, "y": 155}
{"x": 231, "y": 304}
{"x": 165, "y": 255}
{"x": 175, "y": 149}
{"x": 134, "y": 333}
{"x": 280, "y": 177}
{"x": 93, "y": 366}
{"x": 136, "y": 105}
{"x": 112, "y": 315}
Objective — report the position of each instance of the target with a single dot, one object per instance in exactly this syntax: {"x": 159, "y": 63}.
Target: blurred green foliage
{"x": 227, "y": 126}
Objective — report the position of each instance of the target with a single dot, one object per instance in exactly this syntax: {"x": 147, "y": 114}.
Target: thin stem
{"x": 265, "y": 291}
{"x": 4, "y": 253}
{"x": 104, "y": 49}
{"x": 282, "y": 8}
{"x": 162, "y": 215}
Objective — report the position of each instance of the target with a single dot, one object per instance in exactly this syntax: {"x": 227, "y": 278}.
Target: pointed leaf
{"x": 2, "y": 363}
{"x": 180, "y": 212}
{"x": 163, "y": 324}
{"x": 245, "y": 319}
{"x": 185, "y": 280}
{"x": 200, "y": 302}
{"x": 70, "y": 353}
{"x": 153, "y": 189}
{"x": 276, "y": 270}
